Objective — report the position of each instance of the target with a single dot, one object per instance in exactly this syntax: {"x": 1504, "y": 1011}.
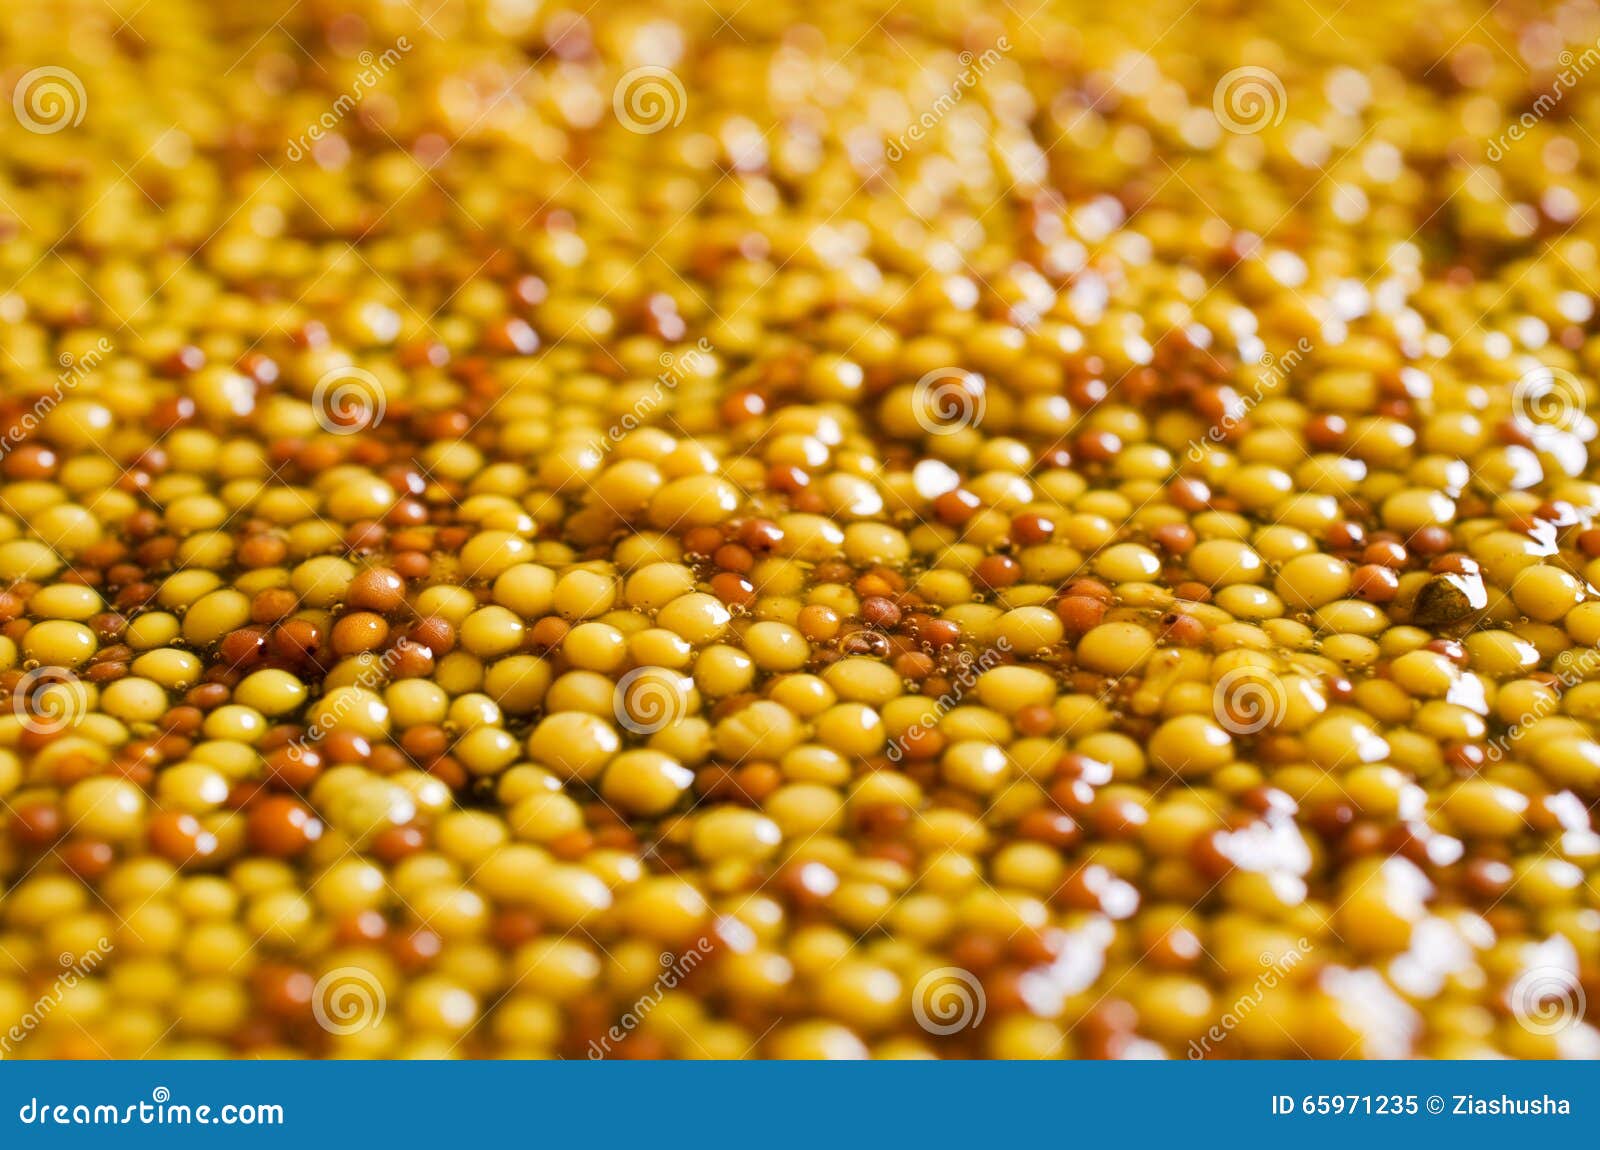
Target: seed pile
{"x": 682, "y": 530}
